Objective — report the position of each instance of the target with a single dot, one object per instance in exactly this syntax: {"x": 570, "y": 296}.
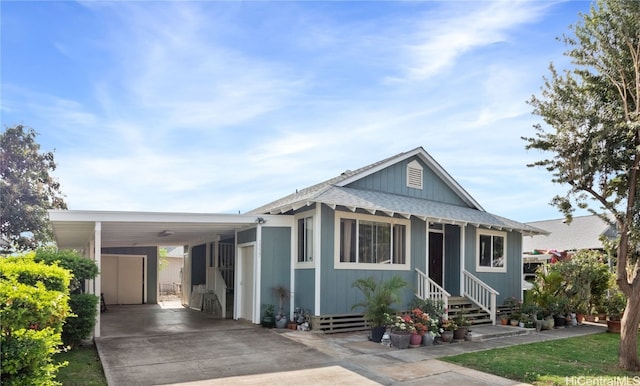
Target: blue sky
{"x": 224, "y": 106}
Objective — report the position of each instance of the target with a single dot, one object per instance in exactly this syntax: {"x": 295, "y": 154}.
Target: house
{"x": 404, "y": 215}
{"x": 563, "y": 238}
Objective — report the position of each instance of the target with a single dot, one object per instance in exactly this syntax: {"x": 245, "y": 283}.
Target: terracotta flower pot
{"x": 415, "y": 340}
{"x": 613, "y": 326}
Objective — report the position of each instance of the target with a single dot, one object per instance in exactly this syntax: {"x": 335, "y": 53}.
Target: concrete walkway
{"x": 148, "y": 345}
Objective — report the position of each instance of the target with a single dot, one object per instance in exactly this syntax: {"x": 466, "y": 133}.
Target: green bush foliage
{"x": 33, "y": 308}
{"x": 81, "y": 267}
{"x": 84, "y": 306}
{"x": 80, "y": 325}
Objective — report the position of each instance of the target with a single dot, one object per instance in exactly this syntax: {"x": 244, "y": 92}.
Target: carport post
{"x": 97, "y": 257}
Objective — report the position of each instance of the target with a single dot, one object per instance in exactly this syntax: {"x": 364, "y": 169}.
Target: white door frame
{"x": 240, "y": 297}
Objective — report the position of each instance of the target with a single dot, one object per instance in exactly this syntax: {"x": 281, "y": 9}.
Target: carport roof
{"x": 76, "y": 228}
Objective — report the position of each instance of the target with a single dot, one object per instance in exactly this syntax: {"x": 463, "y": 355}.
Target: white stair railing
{"x": 429, "y": 289}
{"x": 481, "y": 294}
{"x": 217, "y": 285}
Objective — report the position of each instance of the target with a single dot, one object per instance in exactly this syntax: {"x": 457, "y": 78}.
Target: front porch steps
{"x": 473, "y": 313}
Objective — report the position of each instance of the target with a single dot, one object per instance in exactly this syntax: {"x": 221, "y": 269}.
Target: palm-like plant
{"x": 379, "y": 295}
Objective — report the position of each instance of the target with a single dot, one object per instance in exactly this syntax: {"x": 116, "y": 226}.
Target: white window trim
{"x": 304, "y": 264}
{"x": 337, "y": 264}
{"x": 487, "y": 232}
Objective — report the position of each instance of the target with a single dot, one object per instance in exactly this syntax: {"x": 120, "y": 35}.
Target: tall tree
{"x": 27, "y": 190}
{"x": 593, "y": 110}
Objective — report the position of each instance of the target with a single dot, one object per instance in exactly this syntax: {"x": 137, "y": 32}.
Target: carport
{"x": 125, "y": 247}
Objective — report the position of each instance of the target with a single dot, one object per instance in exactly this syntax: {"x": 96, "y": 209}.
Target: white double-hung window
{"x": 370, "y": 242}
{"x": 491, "y": 251}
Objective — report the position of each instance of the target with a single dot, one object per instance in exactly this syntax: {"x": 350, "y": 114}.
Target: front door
{"x": 436, "y": 243}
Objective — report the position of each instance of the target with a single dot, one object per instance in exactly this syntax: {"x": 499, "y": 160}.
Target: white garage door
{"x": 123, "y": 279}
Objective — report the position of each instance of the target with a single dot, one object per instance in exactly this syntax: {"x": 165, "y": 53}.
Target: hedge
{"x": 33, "y": 308}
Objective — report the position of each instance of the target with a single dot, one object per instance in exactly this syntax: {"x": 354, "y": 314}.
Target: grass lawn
{"x": 84, "y": 367}
{"x": 584, "y": 360}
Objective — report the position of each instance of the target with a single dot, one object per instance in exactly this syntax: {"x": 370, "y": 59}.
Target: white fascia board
{"x": 153, "y": 217}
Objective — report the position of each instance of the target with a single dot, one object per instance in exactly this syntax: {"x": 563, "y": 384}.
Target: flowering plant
{"x": 448, "y": 325}
{"x": 401, "y": 324}
{"x": 421, "y": 320}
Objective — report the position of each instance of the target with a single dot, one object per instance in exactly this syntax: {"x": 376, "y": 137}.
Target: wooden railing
{"x": 481, "y": 294}
{"x": 429, "y": 289}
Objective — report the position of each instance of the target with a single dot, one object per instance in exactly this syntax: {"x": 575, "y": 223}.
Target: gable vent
{"x": 414, "y": 175}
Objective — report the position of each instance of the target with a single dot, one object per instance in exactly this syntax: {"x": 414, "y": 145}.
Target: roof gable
{"x": 355, "y": 178}
{"x": 435, "y": 174}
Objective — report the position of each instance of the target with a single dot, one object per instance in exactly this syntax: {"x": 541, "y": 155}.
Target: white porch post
{"x": 292, "y": 268}
{"x": 257, "y": 275}
{"x": 317, "y": 223}
{"x": 463, "y": 252}
{"x": 97, "y": 250}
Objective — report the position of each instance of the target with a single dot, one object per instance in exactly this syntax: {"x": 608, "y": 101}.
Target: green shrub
{"x": 33, "y": 308}
{"x": 25, "y": 270}
{"x": 27, "y": 357}
{"x": 80, "y": 325}
{"x": 84, "y": 306}
{"x": 81, "y": 267}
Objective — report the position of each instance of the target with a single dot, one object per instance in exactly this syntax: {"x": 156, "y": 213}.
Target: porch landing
{"x": 488, "y": 331}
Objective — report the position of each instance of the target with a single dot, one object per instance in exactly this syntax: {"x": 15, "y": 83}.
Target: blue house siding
{"x": 247, "y": 236}
{"x": 152, "y": 266}
{"x": 336, "y": 284}
{"x": 304, "y": 296}
{"x": 418, "y": 245}
{"x": 276, "y": 266}
{"x": 506, "y": 283}
{"x": 452, "y": 259}
{"x": 393, "y": 179}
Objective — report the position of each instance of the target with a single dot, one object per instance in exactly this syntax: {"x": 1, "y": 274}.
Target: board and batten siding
{"x": 337, "y": 293}
{"x": 304, "y": 295}
{"x": 276, "y": 264}
{"x": 393, "y": 179}
{"x": 246, "y": 236}
{"x": 508, "y": 283}
{"x": 452, "y": 259}
{"x": 151, "y": 285}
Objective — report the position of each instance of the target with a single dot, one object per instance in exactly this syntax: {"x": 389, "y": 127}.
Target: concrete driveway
{"x": 149, "y": 345}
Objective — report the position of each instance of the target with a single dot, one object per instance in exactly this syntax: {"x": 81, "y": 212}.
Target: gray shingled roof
{"x": 392, "y": 204}
{"x": 332, "y": 193}
{"x": 582, "y": 233}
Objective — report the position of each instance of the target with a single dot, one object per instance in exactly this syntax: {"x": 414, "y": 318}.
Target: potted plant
{"x": 283, "y": 294}
{"x": 268, "y": 320}
{"x": 462, "y": 325}
{"x": 379, "y": 296}
{"x": 447, "y": 327}
{"x": 402, "y": 328}
{"x": 615, "y": 308}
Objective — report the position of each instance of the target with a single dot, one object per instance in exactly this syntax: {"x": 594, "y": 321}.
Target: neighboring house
{"x": 404, "y": 215}
{"x": 583, "y": 232}
{"x": 170, "y": 271}
{"x": 562, "y": 239}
